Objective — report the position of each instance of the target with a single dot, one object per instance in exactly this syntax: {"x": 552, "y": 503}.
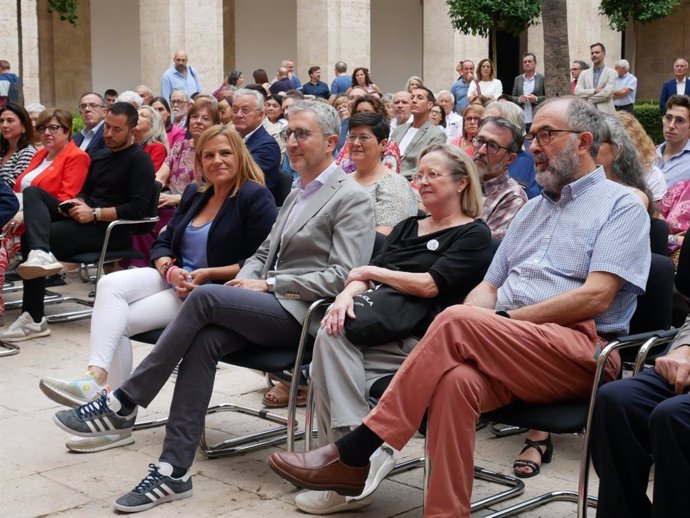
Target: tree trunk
{"x": 554, "y": 15}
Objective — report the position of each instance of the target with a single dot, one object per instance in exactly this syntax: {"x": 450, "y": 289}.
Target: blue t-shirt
{"x": 340, "y": 84}
{"x": 194, "y": 247}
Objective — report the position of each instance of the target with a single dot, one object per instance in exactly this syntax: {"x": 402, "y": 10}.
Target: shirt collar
{"x": 246, "y": 137}
{"x": 581, "y": 185}
{"x": 92, "y": 131}
{"x": 319, "y": 180}
{"x": 662, "y": 147}
{"x": 493, "y": 184}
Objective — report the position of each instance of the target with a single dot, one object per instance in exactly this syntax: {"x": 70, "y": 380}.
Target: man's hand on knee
{"x": 675, "y": 368}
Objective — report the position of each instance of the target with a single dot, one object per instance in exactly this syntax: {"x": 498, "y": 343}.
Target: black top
{"x": 123, "y": 180}
{"x": 456, "y": 258}
{"x": 241, "y": 225}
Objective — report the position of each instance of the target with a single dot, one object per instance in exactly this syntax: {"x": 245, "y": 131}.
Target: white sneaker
{"x": 382, "y": 463}
{"x": 94, "y": 444}
{"x": 24, "y": 328}
{"x": 329, "y": 502}
{"x": 72, "y": 392}
{"x": 39, "y": 264}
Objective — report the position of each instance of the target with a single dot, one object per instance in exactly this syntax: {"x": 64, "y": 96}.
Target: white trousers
{"x": 127, "y": 303}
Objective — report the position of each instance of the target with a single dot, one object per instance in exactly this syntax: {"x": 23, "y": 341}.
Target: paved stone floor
{"x": 41, "y": 478}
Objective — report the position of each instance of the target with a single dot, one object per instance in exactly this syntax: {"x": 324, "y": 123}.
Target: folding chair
{"x": 103, "y": 256}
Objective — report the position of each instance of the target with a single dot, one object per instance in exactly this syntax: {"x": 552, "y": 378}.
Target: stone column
{"x": 196, "y": 26}
{"x": 444, "y": 46}
{"x": 328, "y": 32}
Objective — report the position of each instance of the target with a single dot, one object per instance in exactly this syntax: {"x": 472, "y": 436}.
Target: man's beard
{"x": 561, "y": 170}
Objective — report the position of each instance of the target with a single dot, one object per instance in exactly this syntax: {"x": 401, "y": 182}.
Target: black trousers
{"x": 50, "y": 231}
{"x": 639, "y": 421}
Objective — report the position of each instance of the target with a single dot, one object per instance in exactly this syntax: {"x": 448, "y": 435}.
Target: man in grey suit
{"x": 418, "y": 134}
{"x": 597, "y": 84}
{"x": 324, "y": 229}
{"x": 528, "y": 88}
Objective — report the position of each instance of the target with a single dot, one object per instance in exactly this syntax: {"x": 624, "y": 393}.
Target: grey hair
{"x": 583, "y": 117}
{"x": 387, "y": 97}
{"x": 157, "y": 132}
{"x": 624, "y": 63}
{"x": 627, "y": 167}
{"x": 187, "y": 98}
{"x": 445, "y": 93}
{"x": 505, "y": 123}
{"x": 35, "y": 107}
{"x": 258, "y": 98}
{"x": 326, "y": 116}
{"x": 146, "y": 89}
{"x": 509, "y": 111}
{"x": 207, "y": 97}
{"x": 131, "y": 97}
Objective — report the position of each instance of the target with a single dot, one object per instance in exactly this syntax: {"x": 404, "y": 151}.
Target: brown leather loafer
{"x": 320, "y": 470}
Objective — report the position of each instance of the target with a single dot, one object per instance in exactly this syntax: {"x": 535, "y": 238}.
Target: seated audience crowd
{"x": 495, "y": 258}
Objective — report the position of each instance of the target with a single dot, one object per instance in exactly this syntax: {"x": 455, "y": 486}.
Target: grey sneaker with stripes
{"x": 96, "y": 418}
{"x": 157, "y": 487}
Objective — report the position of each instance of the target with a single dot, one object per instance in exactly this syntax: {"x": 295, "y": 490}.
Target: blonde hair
{"x": 247, "y": 169}
{"x": 643, "y": 142}
{"x": 460, "y": 166}
{"x": 478, "y": 108}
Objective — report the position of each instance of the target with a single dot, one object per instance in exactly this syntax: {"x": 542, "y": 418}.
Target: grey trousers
{"x": 213, "y": 321}
{"x": 342, "y": 374}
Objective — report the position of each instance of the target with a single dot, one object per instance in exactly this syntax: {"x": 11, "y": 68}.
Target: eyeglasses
{"x": 178, "y": 101}
{"x": 543, "y": 136}
{"x": 473, "y": 119}
{"x": 301, "y": 135}
{"x": 491, "y": 147}
{"x": 430, "y": 175}
{"x": 354, "y": 138}
{"x": 243, "y": 111}
{"x": 93, "y": 106}
{"x": 52, "y": 129}
{"x": 677, "y": 121}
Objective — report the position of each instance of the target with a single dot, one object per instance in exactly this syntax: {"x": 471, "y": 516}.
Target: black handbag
{"x": 384, "y": 314}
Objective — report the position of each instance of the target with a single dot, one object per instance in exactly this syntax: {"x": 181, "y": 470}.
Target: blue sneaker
{"x": 156, "y": 488}
{"x": 99, "y": 417}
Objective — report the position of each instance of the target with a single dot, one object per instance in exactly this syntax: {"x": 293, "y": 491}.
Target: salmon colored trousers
{"x": 472, "y": 361}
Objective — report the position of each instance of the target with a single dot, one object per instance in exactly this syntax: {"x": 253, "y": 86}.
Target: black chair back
{"x": 152, "y": 212}
{"x": 282, "y": 188}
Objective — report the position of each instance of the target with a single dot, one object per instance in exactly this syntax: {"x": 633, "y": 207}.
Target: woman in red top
{"x": 58, "y": 168}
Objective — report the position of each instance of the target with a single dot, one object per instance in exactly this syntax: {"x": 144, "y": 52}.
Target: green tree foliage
{"x": 643, "y": 11}
{"x": 478, "y": 17}
{"x": 67, "y": 9}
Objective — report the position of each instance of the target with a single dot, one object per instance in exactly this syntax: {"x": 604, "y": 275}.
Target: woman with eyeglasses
{"x": 59, "y": 168}
{"x": 440, "y": 258}
{"x": 471, "y": 117}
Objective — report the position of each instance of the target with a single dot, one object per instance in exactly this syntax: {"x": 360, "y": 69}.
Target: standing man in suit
{"x": 248, "y": 112}
{"x": 324, "y": 229}
{"x": 598, "y": 83}
{"x": 418, "y": 134}
{"x": 92, "y": 111}
{"x": 679, "y": 85}
{"x": 528, "y": 88}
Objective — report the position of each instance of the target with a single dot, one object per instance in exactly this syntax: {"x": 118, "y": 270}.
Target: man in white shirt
{"x": 679, "y": 85}
{"x": 626, "y": 87}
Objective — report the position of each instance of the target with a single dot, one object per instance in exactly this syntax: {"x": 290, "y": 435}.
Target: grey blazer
{"x": 519, "y": 88}
{"x": 426, "y": 134}
{"x": 311, "y": 257}
{"x": 604, "y": 99}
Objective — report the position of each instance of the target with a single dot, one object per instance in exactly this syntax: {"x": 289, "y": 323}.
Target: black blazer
{"x": 96, "y": 146}
{"x": 238, "y": 229}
